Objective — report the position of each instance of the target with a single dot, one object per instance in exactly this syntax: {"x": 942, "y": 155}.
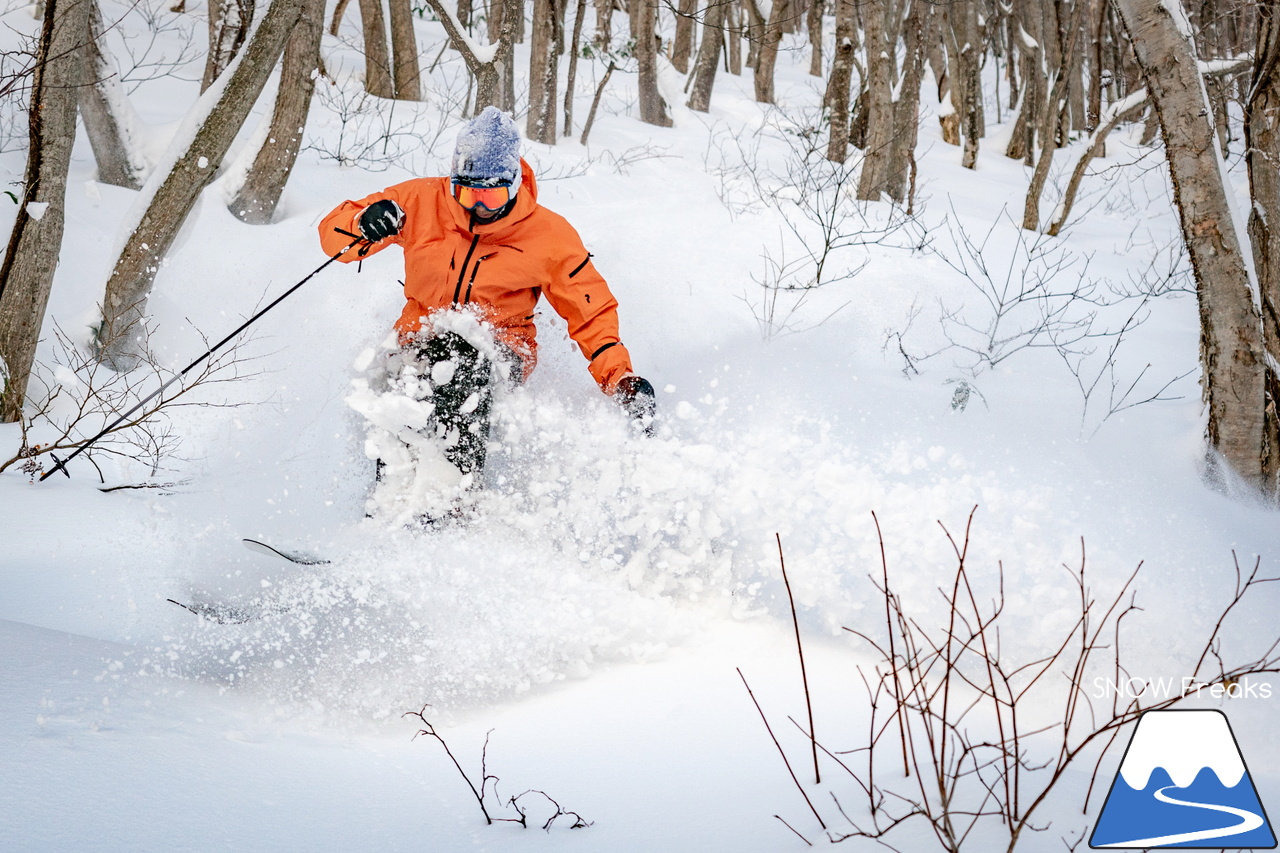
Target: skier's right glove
{"x": 635, "y": 394}
{"x": 381, "y": 220}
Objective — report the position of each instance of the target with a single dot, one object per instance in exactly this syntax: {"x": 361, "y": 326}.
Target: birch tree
{"x": 486, "y": 62}
{"x": 1231, "y": 345}
{"x": 26, "y": 275}
{"x": 653, "y": 109}
{"x": 196, "y": 157}
{"x": 256, "y": 200}
{"x": 109, "y": 120}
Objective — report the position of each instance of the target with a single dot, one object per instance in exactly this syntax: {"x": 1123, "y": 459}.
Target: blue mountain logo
{"x": 1183, "y": 783}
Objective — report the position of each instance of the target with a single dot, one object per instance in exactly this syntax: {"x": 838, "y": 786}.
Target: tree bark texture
{"x": 229, "y": 22}
{"x": 814, "y": 17}
{"x": 733, "y": 32}
{"x": 1230, "y": 328}
{"x": 880, "y": 35}
{"x": 682, "y": 44}
{"x": 256, "y": 201}
{"x": 767, "y": 50}
{"x": 407, "y": 72}
{"x": 653, "y": 109}
{"x": 105, "y": 111}
{"x": 571, "y": 81}
{"x": 708, "y": 56}
{"x": 1054, "y": 113}
{"x": 377, "y": 59}
{"x": 543, "y": 66}
{"x": 124, "y": 305}
{"x": 26, "y": 276}
{"x": 892, "y": 98}
{"x": 839, "y": 81}
{"x": 1262, "y": 144}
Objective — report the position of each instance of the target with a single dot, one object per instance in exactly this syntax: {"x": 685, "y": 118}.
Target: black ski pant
{"x": 463, "y": 397}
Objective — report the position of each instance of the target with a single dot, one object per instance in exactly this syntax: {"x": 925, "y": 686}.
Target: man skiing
{"x": 478, "y": 241}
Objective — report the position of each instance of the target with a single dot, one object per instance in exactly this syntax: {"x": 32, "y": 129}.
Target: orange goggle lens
{"x": 493, "y": 198}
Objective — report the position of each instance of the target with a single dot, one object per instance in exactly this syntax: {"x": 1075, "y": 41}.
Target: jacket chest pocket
{"x": 495, "y": 274}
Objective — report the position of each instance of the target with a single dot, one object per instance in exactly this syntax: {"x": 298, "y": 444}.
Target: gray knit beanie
{"x": 487, "y": 152}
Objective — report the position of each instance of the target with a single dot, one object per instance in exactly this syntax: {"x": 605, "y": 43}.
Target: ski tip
{"x": 292, "y": 556}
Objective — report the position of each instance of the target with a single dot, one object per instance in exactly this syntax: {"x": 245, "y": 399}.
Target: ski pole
{"x": 61, "y": 464}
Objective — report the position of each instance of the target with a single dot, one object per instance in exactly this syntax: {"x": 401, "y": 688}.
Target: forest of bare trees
{"x": 1200, "y": 78}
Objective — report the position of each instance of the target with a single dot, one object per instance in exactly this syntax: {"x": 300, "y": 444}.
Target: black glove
{"x": 381, "y": 220}
{"x": 635, "y": 394}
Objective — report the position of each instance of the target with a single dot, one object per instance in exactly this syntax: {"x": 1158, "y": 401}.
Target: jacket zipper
{"x": 457, "y": 290}
{"x": 471, "y": 281}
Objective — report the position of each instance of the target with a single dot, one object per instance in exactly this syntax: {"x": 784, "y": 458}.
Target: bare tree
{"x": 892, "y": 97}
{"x": 378, "y": 80}
{"x": 766, "y": 50}
{"x": 216, "y": 118}
{"x": 26, "y": 276}
{"x": 109, "y": 121}
{"x": 1052, "y": 116}
{"x": 709, "y": 51}
{"x": 653, "y": 109}
{"x": 229, "y": 22}
{"x": 543, "y": 64}
{"x": 1231, "y": 346}
{"x": 1262, "y": 144}
{"x": 256, "y": 200}
{"x": 840, "y": 78}
{"x": 491, "y": 90}
{"x": 404, "y": 45}
{"x": 682, "y": 44}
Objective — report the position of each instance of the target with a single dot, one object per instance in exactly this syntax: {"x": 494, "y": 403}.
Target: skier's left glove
{"x": 635, "y": 394}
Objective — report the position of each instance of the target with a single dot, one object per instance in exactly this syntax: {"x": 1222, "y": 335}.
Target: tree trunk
{"x": 604, "y": 23}
{"x": 708, "y": 57}
{"x": 338, "y": 11}
{"x": 816, "y": 10}
{"x": 1054, "y": 114}
{"x": 219, "y": 114}
{"x": 840, "y": 79}
{"x": 918, "y": 30}
{"x": 377, "y": 60}
{"x": 108, "y": 117}
{"x": 1230, "y": 327}
{"x": 491, "y": 89}
{"x": 966, "y": 82}
{"x": 1262, "y": 144}
{"x": 500, "y": 92}
{"x": 880, "y": 35}
{"x": 682, "y": 45}
{"x": 228, "y": 26}
{"x": 404, "y": 45}
{"x": 571, "y": 82}
{"x": 258, "y": 196}
{"x": 734, "y": 33}
{"x": 767, "y": 51}
{"x": 26, "y": 276}
{"x": 653, "y": 109}
{"x": 543, "y": 62}
{"x": 1094, "y": 146}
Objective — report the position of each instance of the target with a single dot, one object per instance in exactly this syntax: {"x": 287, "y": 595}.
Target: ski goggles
{"x": 491, "y": 198}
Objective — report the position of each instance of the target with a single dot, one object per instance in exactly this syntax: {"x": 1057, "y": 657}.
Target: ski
{"x": 222, "y": 614}
{"x": 301, "y": 558}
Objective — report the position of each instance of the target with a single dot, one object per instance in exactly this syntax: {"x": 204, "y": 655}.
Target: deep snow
{"x": 593, "y": 615}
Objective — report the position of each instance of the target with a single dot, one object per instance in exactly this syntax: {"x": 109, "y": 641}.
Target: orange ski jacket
{"x": 499, "y": 267}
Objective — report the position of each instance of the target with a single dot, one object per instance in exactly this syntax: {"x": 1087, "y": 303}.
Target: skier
{"x": 479, "y": 241}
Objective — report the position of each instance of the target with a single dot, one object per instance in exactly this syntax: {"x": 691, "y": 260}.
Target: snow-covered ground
{"x": 594, "y": 613}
